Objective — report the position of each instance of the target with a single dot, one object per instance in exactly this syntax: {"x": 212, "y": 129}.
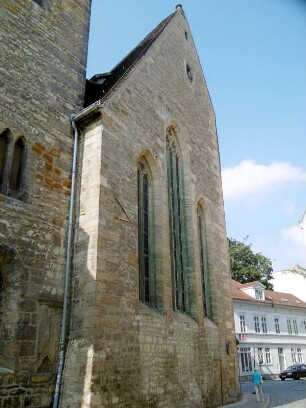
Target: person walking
{"x": 258, "y": 381}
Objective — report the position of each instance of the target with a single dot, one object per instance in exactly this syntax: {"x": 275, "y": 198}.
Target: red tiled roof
{"x": 278, "y": 298}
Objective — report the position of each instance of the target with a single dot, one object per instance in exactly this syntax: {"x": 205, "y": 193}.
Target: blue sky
{"x": 253, "y": 56}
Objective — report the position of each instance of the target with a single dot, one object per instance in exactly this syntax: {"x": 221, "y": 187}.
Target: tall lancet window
{"x": 203, "y": 262}
{"x": 18, "y": 164}
{"x": 4, "y": 142}
{"x": 145, "y": 235}
{"x": 178, "y": 238}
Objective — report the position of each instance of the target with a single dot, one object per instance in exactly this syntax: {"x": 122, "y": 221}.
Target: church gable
{"x": 156, "y": 289}
{"x": 172, "y": 30}
{"x": 99, "y": 85}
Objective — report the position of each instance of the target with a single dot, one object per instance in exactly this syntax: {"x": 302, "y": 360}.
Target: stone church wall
{"x": 42, "y": 77}
{"x": 129, "y": 354}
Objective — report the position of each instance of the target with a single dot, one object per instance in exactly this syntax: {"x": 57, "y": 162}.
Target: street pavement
{"x": 283, "y": 394}
{"x": 248, "y": 400}
{"x": 288, "y": 394}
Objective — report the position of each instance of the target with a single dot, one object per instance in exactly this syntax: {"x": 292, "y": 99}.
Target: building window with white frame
{"x": 264, "y": 324}
{"x": 299, "y": 355}
{"x": 281, "y": 358}
{"x": 246, "y": 359}
{"x": 258, "y": 294}
{"x": 242, "y": 324}
{"x": 304, "y": 325}
{"x": 277, "y": 328}
{"x": 256, "y": 322}
{"x": 289, "y": 326}
{"x": 295, "y": 327}
{"x": 260, "y": 356}
{"x": 294, "y": 355}
{"x": 268, "y": 355}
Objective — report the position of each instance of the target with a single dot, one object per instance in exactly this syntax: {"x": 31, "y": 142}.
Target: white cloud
{"x": 285, "y": 250}
{"x": 288, "y": 208}
{"x": 251, "y": 179}
{"x": 291, "y": 249}
{"x": 293, "y": 236}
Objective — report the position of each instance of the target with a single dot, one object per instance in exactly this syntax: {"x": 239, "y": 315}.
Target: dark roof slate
{"x": 100, "y": 85}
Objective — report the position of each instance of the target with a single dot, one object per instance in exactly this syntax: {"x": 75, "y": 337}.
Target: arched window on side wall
{"x": 147, "y": 285}
{"x": 4, "y": 143}
{"x": 13, "y": 157}
{"x": 178, "y": 235}
{"x": 17, "y": 167}
{"x": 203, "y": 262}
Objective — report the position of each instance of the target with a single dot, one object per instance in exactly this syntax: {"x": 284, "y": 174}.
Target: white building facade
{"x": 270, "y": 327}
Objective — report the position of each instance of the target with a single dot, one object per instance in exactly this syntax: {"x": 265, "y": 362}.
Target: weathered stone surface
{"x": 42, "y": 70}
{"x": 121, "y": 353}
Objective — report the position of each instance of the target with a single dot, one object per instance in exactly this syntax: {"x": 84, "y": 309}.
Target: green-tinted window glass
{"x": 145, "y": 236}
{"x": 204, "y": 263}
{"x": 177, "y": 224}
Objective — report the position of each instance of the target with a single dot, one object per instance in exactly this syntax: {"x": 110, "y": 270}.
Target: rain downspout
{"x": 63, "y": 334}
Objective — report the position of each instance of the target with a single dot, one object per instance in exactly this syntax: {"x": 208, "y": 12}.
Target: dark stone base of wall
{"x": 34, "y": 391}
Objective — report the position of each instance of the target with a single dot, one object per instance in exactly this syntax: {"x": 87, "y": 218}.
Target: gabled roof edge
{"x": 100, "y": 85}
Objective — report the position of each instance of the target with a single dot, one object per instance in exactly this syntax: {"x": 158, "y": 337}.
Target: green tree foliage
{"x": 247, "y": 266}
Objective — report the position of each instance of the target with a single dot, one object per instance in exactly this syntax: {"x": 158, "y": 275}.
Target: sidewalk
{"x": 248, "y": 400}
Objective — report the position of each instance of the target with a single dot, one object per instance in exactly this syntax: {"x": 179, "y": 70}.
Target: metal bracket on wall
{"x": 128, "y": 220}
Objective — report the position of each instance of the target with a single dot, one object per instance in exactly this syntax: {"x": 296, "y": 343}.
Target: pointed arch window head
{"x": 178, "y": 235}
{"x": 203, "y": 261}
{"x": 145, "y": 235}
{"x": 171, "y": 141}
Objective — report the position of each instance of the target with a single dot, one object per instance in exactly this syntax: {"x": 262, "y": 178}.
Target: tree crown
{"x": 247, "y": 266}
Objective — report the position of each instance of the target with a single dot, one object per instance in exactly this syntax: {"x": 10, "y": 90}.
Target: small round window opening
{"x": 189, "y": 73}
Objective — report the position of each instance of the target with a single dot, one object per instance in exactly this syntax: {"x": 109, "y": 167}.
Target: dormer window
{"x": 254, "y": 289}
{"x": 259, "y": 294}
